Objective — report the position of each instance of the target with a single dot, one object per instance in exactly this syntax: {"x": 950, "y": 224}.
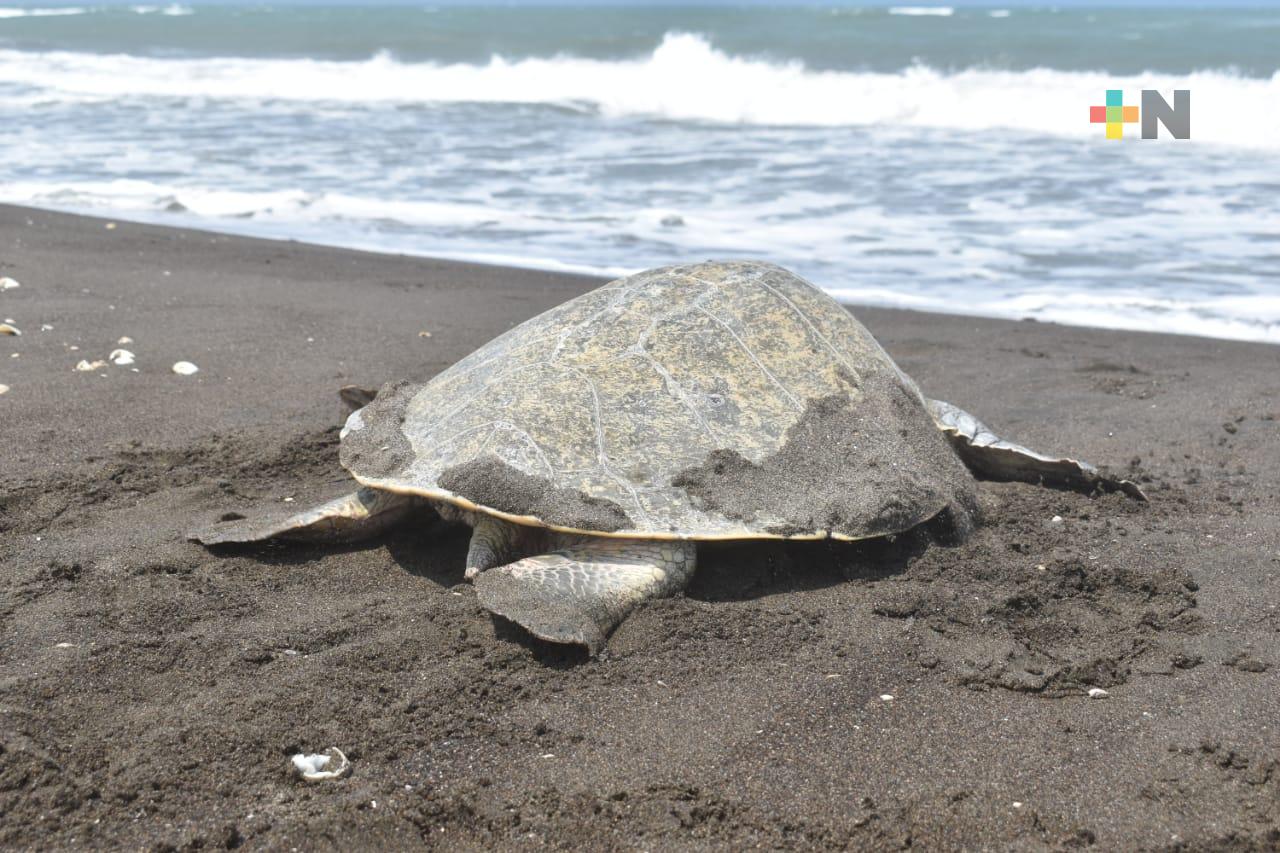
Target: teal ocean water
{"x": 911, "y": 155}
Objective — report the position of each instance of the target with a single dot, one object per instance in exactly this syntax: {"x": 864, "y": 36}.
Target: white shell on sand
{"x": 7, "y": 283}
{"x": 317, "y": 767}
{"x": 1098, "y": 693}
{"x": 4, "y": 389}
{"x": 85, "y": 366}
{"x": 125, "y": 340}
{"x": 121, "y": 357}
{"x": 185, "y": 368}
{"x": 6, "y": 329}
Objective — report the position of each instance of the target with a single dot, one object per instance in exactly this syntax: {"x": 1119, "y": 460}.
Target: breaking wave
{"x": 684, "y": 79}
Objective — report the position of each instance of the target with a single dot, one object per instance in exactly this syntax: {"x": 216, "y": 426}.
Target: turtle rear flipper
{"x": 990, "y": 456}
{"x": 350, "y": 518}
{"x": 580, "y": 594}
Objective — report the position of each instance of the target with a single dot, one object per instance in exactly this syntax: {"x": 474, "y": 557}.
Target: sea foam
{"x": 685, "y": 79}
{"x": 54, "y": 12}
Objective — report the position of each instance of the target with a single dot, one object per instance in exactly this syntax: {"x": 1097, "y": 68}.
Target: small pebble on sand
{"x": 7, "y": 283}
{"x": 84, "y": 366}
{"x": 46, "y": 327}
{"x": 1098, "y": 693}
{"x": 886, "y": 697}
{"x": 125, "y": 340}
{"x": 4, "y": 389}
{"x": 121, "y": 357}
{"x": 185, "y": 368}
{"x": 8, "y": 329}
{"x": 1057, "y": 519}
{"x": 424, "y": 334}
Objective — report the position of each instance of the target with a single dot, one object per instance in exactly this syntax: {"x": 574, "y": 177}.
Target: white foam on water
{"x": 172, "y": 10}
{"x": 1251, "y": 318}
{"x": 923, "y": 11}
{"x": 56, "y": 12}
{"x": 685, "y": 78}
{"x": 949, "y": 271}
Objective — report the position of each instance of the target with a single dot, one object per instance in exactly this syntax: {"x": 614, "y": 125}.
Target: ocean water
{"x": 916, "y": 156}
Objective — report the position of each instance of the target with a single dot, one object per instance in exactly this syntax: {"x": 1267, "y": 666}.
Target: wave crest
{"x": 55, "y": 12}
{"x": 685, "y": 78}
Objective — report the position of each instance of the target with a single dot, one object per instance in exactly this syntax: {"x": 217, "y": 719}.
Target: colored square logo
{"x": 1115, "y": 114}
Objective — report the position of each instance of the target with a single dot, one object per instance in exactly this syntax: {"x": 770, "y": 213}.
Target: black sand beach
{"x": 151, "y": 692}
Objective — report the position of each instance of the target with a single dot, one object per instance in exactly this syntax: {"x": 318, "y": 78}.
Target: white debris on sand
{"x": 4, "y": 389}
{"x": 1057, "y": 519}
{"x": 1098, "y": 693}
{"x": 886, "y": 697}
{"x": 121, "y": 357}
{"x": 125, "y": 340}
{"x": 330, "y": 764}
{"x": 185, "y": 368}
{"x": 85, "y": 366}
{"x": 7, "y": 328}
{"x": 7, "y": 283}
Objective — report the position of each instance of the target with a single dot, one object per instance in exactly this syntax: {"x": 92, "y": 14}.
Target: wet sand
{"x": 151, "y": 692}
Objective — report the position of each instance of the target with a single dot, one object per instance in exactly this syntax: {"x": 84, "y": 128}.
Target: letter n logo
{"x": 1176, "y": 119}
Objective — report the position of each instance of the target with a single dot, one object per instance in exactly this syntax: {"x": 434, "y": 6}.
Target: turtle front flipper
{"x": 350, "y": 518}
{"x": 990, "y": 456}
{"x": 495, "y": 542}
{"x": 579, "y": 594}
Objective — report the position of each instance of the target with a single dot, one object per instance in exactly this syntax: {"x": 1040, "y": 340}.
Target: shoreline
{"x": 157, "y": 220}
{"x": 153, "y": 691}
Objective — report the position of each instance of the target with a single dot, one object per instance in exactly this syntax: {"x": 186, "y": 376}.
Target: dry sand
{"x": 151, "y": 693}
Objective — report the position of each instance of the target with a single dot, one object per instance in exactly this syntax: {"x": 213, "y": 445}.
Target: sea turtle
{"x": 592, "y": 447}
